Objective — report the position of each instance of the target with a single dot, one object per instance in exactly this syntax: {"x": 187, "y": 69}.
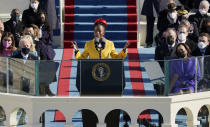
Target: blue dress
{"x": 185, "y": 69}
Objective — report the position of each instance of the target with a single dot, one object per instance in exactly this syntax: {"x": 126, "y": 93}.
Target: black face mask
{"x": 16, "y": 17}
{"x": 25, "y": 51}
{"x": 42, "y": 21}
{"x": 180, "y": 54}
{"x": 170, "y": 40}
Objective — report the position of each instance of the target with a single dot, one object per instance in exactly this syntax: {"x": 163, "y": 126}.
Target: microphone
{"x": 100, "y": 44}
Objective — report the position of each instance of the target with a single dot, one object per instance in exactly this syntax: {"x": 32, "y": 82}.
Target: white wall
{"x": 7, "y": 5}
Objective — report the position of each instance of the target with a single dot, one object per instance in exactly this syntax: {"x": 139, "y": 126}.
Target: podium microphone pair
{"x": 100, "y": 45}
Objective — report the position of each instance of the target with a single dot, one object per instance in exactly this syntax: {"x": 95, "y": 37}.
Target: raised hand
{"x": 126, "y": 45}
{"x": 75, "y": 46}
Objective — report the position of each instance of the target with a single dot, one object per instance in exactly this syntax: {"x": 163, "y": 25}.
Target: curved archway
{"x": 18, "y": 117}
{"x": 150, "y": 118}
{"x": 203, "y": 115}
{"x": 117, "y": 117}
{"x": 49, "y": 119}
{"x": 85, "y": 118}
{"x": 2, "y": 116}
{"x": 182, "y": 116}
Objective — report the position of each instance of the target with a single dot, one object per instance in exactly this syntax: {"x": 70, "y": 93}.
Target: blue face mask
{"x": 16, "y": 17}
{"x": 25, "y": 51}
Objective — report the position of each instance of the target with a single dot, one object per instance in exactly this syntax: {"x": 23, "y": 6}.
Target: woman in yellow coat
{"x": 100, "y": 48}
{"x": 100, "y": 43}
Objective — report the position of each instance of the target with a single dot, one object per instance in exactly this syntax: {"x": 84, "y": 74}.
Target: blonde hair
{"x": 30, "y": 40}
{"x": 36, "y": 31}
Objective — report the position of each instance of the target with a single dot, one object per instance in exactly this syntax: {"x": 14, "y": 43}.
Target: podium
{"x": 103, "y": 77}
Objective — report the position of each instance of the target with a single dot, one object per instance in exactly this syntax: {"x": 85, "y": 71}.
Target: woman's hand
{"x": 126, "y": 46}
{"x": 75, "y": 46}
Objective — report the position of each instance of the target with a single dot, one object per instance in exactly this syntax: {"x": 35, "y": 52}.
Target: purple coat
{"x": 186, "y": 74}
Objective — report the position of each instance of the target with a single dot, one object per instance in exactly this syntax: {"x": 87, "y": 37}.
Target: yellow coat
{"x": 108, "y": 51}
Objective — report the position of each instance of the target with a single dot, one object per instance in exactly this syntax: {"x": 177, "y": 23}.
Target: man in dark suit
{"x": 14, "y": 25}
{"x": 166, "y": 47}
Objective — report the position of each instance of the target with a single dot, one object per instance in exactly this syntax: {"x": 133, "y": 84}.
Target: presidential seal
{"x": 101, "y": 72}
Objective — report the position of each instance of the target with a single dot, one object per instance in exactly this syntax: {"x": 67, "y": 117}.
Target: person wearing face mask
{"x": 49, "y": 6}
{"x": 182, "y": 71}
{"x": 14, "y": 25}
{"x": 26, "y": 49}
{"x": 7, "y": 46}
{"x": 203, "y": 47}
{"x": 46, "y": 37}
{"x": 192, "y": 30}
{"x": 166, "y": 47}
{"x": 182, "y": 34}
{"x": 31, "y": 15}
{"x": 201, "y": 15}
{"x": 33, "y": 31}
{"x": 168, "y": 19}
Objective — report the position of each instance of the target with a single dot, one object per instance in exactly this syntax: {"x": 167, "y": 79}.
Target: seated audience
{"x": 26, "y": 49}
{"x": 201, "y": 14}
{"x": 31, "y": 15}
{"x": 182, "y": 72}
{"x": 166, "y": 46}
{"x": 7, "y": 46}
{"x": 14, "y": 25}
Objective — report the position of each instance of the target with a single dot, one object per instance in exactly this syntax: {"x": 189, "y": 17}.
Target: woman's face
{"x": 7, "y": 42}
{"x": 99, "y": 31}
{"x": 181, "y": 48}
{"x": 25, "y": 44}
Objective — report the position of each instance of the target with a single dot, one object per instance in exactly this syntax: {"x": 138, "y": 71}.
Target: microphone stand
{"x": 99, "y": 53}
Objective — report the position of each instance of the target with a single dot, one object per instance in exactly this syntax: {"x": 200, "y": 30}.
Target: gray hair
{"x": 204, "y": 2}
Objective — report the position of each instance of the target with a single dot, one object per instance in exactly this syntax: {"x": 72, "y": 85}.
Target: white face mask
{"x": 182, "y": 37}
{"x": 34, "y": 5}
{"x": 202, "y": 11}
{"x": 173, "y": 15}
{"x": 201, "y": 45}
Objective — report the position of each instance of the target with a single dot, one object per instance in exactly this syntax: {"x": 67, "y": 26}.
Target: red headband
{"x": 102, "y": 21}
